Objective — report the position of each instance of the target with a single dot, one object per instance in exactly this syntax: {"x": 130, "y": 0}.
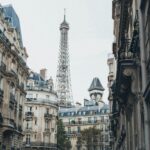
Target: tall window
{"x": 79, "y": 120}
{"x": 46, "y": 124}
{"x": 29, "y": 108}
{"x": 69, "y": 129}
{"x": 89, "y": 120}
{"x": 95, "y": 119}
{"x": 28, "y": 139}
{"x": 78, "y": 129}
{"x": 47, "y": 110}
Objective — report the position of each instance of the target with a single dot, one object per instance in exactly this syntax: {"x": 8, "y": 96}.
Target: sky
{"x": 90, "y": 38}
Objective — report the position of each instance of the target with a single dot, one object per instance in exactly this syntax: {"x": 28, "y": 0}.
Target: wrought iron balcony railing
{"x": 40, "y": 144}
{"x": 84, "y": 122}
{"x": 29, "y": 114}
{"x": 48, "y": 116}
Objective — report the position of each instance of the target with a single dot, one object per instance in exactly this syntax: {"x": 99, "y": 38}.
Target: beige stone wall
{"x": 43, "y": 128}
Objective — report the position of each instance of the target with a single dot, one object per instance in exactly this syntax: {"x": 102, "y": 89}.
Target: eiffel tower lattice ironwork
{"x": 63, "y": 80}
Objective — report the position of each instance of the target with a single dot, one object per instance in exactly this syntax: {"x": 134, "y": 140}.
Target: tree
{"x": 63, "y": 141}
{"x": 89, "y": 138}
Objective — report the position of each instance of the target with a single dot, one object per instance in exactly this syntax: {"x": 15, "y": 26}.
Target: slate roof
{"x": 36, "y": 77}
{"x": 84, "y": 110}
{"x": 13, "y": 18}
{"x": 96, "y": 85}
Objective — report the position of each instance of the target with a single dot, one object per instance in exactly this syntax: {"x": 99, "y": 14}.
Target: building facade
{"x": 94, "y": 113}
{"x": 130, "y": 91}
{"x": 13, "y": 75}
{"x": 40, "y": 113}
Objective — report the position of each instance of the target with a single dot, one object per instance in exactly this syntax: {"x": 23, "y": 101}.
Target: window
{"x": 78, "y": 129}
{"x": 27, "y": 124}
{"x": 47, "y": 110}
{"x": 29, "y": 95}
{"x": 36, "y": 122}
{"x": 95, "y": 119}
{"x": 46, "y": 124}
{"x": 79, "y": 112}
{"x": 89, "y": 120}
{"x": 29, "y": 108}
{"x": 79, "y": 120}
{"x": 69, "y": 129}
{"x": 102, "y": 118}
{"x": 28, "y": 139}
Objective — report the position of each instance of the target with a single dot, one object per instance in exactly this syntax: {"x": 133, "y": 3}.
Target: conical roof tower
{"x": 96, "y": 91}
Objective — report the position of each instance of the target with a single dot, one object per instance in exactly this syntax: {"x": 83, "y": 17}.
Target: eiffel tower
{"x": 63, "y": 80}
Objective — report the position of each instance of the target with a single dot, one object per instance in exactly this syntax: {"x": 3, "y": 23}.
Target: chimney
{"x": 43, "y": 73}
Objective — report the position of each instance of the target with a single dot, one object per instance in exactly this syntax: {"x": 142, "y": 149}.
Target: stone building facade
{"x": 130, "y": 91}
{"x": 13, "y": 75}
{"x": 94, "y": 113}
{"x": 40, "y": 113}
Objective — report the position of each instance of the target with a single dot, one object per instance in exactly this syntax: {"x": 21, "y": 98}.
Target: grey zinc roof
{"x": 83, "y": 109}
{"x": 13, "y": 19}
{"x": 96, "y": 85}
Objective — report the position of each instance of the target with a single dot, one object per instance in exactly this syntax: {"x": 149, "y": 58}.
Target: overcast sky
{"x": 90, "y": 38}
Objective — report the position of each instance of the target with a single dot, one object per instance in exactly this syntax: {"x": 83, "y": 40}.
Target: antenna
{"x": 64, "y": 14}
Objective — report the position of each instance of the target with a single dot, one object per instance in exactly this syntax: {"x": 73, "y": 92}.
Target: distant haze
{"x": 90, "y": 38}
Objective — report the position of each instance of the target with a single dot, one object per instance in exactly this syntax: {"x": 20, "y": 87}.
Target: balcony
{"x": 1, "y": 95}
{"x": 40, "y": 145}
{"x": 29, "y": 115}
{"x": 74, "y": 123}
{"x": 48, "y": 116}
{"x": 2, "y": 67}
{"x": 28, "y": 129}
{"x": 73, "y": 133}
{"x": 47, "y": 130}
